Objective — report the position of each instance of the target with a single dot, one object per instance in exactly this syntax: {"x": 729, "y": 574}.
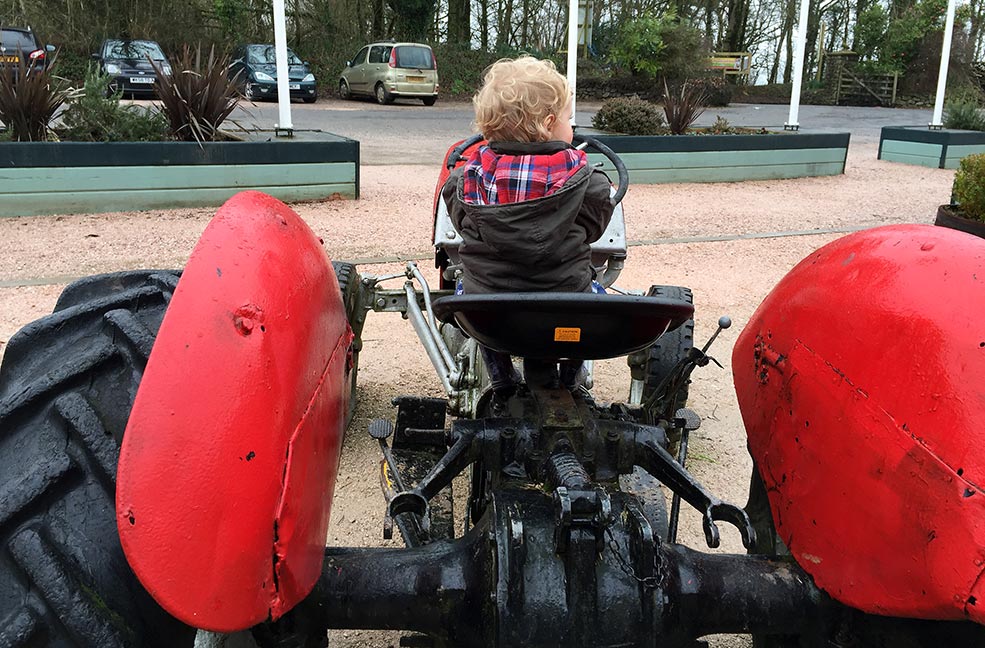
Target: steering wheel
{"x": 580, "y": 141}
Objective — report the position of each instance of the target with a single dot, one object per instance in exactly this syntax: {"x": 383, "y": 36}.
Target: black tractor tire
{"x": 67, "y": 384}
{"x": 657, "y": 361}
{"x": 350, "y": 283}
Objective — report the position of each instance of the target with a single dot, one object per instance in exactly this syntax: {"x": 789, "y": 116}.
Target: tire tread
{"x": 67, "y": 384}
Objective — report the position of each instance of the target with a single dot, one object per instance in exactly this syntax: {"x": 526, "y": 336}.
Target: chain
{"x": 650, "y": 582}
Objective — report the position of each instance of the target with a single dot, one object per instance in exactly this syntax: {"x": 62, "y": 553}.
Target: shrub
{"x": 197, "y": 97}
{"x": 717, "y": 91}
{"x": 682, "y": 106}
{"x": 964, "y": 114}
{"x": 721, "y": 127}
{"x": 658, "y": 46}
{"x": 631, "y": 116}
{"x": 29, "y": 99}
{"x": 93, "y": 117}
{"x": 969, "y": 187}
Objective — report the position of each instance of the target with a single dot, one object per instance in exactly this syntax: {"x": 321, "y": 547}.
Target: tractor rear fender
{"x": 861, "y": 380}
{"x": 229, "y": 461}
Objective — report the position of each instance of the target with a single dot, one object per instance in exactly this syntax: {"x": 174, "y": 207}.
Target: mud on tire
{"x": 67, "y": 384}
{"x": 350, "y": 283}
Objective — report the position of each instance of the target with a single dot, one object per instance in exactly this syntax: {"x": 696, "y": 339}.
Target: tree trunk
{"x": 788, "y": 64}
{"x": 459, "y": 23}
{"x": 484, "y": 30}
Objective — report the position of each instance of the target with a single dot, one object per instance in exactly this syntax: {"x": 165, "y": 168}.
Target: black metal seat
{"x": 563, "y": 325}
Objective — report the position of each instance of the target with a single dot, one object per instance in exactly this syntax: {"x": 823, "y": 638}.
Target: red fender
{"x": 861, "y": 380}
{"x": 231, "y": 452}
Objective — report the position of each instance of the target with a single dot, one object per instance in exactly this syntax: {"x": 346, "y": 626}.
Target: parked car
{"x": 17, "y": 44}
{"x": 387, "y": 71}
{"x": 255, "y": 69}
{"x": 128, "y": 62}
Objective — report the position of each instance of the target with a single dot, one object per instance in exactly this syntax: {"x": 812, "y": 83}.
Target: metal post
{"x": 283, "y": 79}
{"x": 937, "y": 124}
{"x": 798, "y": 67}
{"x": 573, "y": 53}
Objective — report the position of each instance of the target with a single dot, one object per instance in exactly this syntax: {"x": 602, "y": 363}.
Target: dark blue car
{"x": 255, "y": 70}
{"x": 128, "y": 62}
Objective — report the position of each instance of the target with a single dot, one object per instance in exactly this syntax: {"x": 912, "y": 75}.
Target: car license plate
{"x": 294, "y": 86}
{"x": 9, "y": 59}
{"x": 416, "y": 79}
{"x": 144, "y": 80}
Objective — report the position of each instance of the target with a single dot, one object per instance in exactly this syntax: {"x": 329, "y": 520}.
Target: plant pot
{"x": 950, "y": 216}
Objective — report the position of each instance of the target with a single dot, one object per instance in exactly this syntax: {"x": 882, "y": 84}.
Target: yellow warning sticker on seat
{"x": 563, "y": 334}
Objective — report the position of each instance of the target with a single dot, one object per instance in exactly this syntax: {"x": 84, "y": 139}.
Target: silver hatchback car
{"x": 388, "y": 71}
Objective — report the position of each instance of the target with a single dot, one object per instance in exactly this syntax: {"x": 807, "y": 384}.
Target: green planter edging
{"x": 727, "y": 158}
{"x": 937, "y": 149}
{"x": 83, "y": 177}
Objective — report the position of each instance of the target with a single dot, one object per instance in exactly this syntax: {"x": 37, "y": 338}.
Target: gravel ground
{"x": 672, "y": 228}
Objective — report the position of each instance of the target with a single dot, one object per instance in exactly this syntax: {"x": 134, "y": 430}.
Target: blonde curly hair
{"x": 516, "y": 97}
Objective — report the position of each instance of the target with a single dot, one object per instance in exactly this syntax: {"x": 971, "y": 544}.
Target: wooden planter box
{"x": 938, "y": 149}
{"x": 83, "y": 177}
{"x": 727, "y": 158}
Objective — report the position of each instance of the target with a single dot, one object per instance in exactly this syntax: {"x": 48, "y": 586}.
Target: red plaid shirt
{"x": 493, "y": 179}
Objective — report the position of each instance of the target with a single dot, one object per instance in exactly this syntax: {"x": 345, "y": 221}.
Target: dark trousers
{"x": 504, "y": 378}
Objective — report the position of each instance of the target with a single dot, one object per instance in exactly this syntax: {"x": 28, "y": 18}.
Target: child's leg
{"x": 571, "y": 373}
{"x": 502, "y": 376}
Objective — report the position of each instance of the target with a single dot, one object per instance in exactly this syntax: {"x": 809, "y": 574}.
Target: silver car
{"x": 388, "y": 71}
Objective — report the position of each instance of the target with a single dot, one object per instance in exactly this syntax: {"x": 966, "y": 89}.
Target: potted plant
{"x": 967, "y": 209}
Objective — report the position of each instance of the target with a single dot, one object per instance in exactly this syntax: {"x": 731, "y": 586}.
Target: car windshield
{"x": 414, "y": 57}
{"x": 13, "y": 38}
{"x": 267, "y": 55}
{"x": 134, "y": 50}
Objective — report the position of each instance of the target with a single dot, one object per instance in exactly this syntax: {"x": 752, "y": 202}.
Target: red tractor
{"x": 169, "y": 444}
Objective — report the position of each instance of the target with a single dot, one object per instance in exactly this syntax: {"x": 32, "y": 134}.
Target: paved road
{"x": 409, "y": 133}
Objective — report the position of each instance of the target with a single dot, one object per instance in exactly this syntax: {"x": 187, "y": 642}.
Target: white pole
{"x": 945, "y": 59}
{"x": 573, "y": 52}
{"x": 283, "y": 78}
{"x": 798, "y": 66}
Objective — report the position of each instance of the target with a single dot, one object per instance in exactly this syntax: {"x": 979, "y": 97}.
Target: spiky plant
{"x": 198, "y": 96}
{"x": 683, "y": 106}
{"x": 29, "y": 98}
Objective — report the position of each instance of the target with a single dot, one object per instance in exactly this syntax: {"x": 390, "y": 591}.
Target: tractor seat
{"x": 587, "y": 326}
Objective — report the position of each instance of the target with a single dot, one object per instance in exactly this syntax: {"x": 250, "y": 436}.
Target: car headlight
{"x": 263, "y": 76}
{"x": 166, "y": 69}
{"x": 112, "y": 68}
{"x": 308, "y": 78}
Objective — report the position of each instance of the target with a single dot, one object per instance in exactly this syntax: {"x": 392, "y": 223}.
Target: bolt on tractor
{"x": 170, "y": 442}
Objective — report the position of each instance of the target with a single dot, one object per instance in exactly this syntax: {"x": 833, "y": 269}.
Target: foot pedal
{"x": 687, "y": 419}
{"x": 380, "y": 429}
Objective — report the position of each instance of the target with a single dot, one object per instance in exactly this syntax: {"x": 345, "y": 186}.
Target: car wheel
{"x": 383, "y": 96}
{"x": 429, "y": 101}
{"x": 310, "y": 100}
{"x": 344, "y": 90}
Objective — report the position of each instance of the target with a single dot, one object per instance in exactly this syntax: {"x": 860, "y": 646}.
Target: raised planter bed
{"x": 727, "y": 158}
{"x": 938, "y": 149}
{"x": 82, "y": 177}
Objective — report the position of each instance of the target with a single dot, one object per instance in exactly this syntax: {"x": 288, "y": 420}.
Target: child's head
{"x": 523, "y": 100}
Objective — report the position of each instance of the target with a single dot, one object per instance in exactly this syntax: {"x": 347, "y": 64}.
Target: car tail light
{"x": 393, "y": 58}
{"x": 36, "y": 55}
